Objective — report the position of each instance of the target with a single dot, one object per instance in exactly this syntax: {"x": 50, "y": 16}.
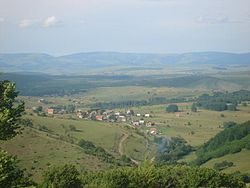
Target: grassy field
{"x": 37, "y": 152}
{"x": 195, "y": 127}
{"x": 102, "y": 134}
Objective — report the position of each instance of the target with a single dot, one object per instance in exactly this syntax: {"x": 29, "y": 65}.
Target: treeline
{"x": 145, "y": 176}
{"x": 230, "y": 140}
{"x": 223, "y": 101}
{"x": 134, "y": 103}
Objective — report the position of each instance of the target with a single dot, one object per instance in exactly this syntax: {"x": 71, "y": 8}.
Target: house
{"x": 98, "y": 118}
{"x": 117, "y": 113}
{"x": 153, "y": 131}
{"x": 122, "y": 118}
{"x": 177, "y": 114}
{"x": 146, "y": 115}
{"x": 148, "y": 124}
{"x": 135, "y": 123}
{"x": 141, "y": 121}
{"x": 138, "y": 115}
{"x": 41, "y": 100}
{"x": 50, "y": 111}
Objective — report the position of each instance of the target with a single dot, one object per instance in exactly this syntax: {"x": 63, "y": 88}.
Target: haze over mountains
{"x": 82, "y": 63}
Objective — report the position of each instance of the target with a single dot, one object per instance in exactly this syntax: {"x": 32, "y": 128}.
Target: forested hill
{"x": 231, "y": 140}
{"x": 84, "y": 62}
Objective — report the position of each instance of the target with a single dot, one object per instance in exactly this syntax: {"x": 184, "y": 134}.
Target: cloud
{"x": 213, "y": 20}
{"x": 51, "y": 21}
{"x": 218, "y": 20}
{"x": 27, "y": 23}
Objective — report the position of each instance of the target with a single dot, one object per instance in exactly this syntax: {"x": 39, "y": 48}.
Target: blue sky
{"x": 158, "y": 26}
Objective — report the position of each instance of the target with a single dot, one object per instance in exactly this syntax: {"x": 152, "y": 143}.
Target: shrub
{"x": 172, "y": 108}
{"x": 66, "y": 176}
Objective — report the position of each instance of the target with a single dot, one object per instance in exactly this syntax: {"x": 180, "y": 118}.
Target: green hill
{"x": 229, "y": 141}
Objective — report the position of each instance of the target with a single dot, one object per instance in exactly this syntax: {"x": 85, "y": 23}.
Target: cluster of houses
{"x": 134, "y": 119}
{"x": 114, "y": 116}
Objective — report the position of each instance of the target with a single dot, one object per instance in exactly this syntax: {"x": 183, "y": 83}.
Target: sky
{"x": 60, "y": 27}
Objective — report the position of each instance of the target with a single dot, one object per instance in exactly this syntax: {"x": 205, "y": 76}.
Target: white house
{"x": 141, "y": 122}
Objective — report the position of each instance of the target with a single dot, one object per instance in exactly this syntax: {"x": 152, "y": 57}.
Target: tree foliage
{"x": 172, "y": 108}
{"x": 10, "y": 111}
{"x": 10, "y": 174}
{"x": 162, "y": 176}
{"x": 66, "y": 176}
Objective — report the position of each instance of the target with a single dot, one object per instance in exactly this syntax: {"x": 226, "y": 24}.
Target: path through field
{"x": 120, "y": 147}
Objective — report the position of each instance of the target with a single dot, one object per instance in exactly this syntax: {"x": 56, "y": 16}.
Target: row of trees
{"x": 223, "y": 101}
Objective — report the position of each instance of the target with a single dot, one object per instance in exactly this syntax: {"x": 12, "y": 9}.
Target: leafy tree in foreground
{"x": 151, "y": 176}
{"x": 10, "y": 174}
{"x": 9, "y": 111}
{"x": 66, "y": 176}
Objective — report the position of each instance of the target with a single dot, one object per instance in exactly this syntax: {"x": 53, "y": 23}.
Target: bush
{"x": 163, "y": 176}
{"x": 10, "y": 174}
{"x": 66, "y": 176}
{"x": 172, "y": 108}
{"x": 223, "y": 165}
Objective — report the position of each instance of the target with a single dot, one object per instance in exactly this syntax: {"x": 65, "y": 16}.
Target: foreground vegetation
{"x": 144, "y": 176}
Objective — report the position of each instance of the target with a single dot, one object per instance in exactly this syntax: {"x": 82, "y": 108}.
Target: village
{"x": 128, "y": 116}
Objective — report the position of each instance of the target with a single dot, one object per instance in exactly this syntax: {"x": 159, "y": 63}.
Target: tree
{"x": 10, "y": 174}
{"x": 194, "y": 108}
{"x": 172, "y": 108}
{"x": 10, "y": 110}
{"x": 66, "y": 176}
{"x": 231, "y": 107}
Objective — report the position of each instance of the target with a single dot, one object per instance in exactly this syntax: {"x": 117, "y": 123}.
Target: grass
{"x": 37, "y": 152}
{"x": 195, "y": 127}
{"x": 101, "y": 133}
{"x": 240, "y": 160}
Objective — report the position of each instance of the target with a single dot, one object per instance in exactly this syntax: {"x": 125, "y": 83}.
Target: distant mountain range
{"x": 85, "y": 62}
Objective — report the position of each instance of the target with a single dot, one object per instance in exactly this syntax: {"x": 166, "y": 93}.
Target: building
{"x": 50, "y": 111}
{"x": 117, "y": 113}
{"x": 153, "y": 131}
{"x": 135, "y": 123}
{"x": 138, "y": 115}
{"x": 98, "y": 118}
{"x": 178, "y": 114}
{"x": 146, "y": 115}
{"x": 148, "y": 124}
{"x": 141, "y": 122}
{"x": 122, "y": 118}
